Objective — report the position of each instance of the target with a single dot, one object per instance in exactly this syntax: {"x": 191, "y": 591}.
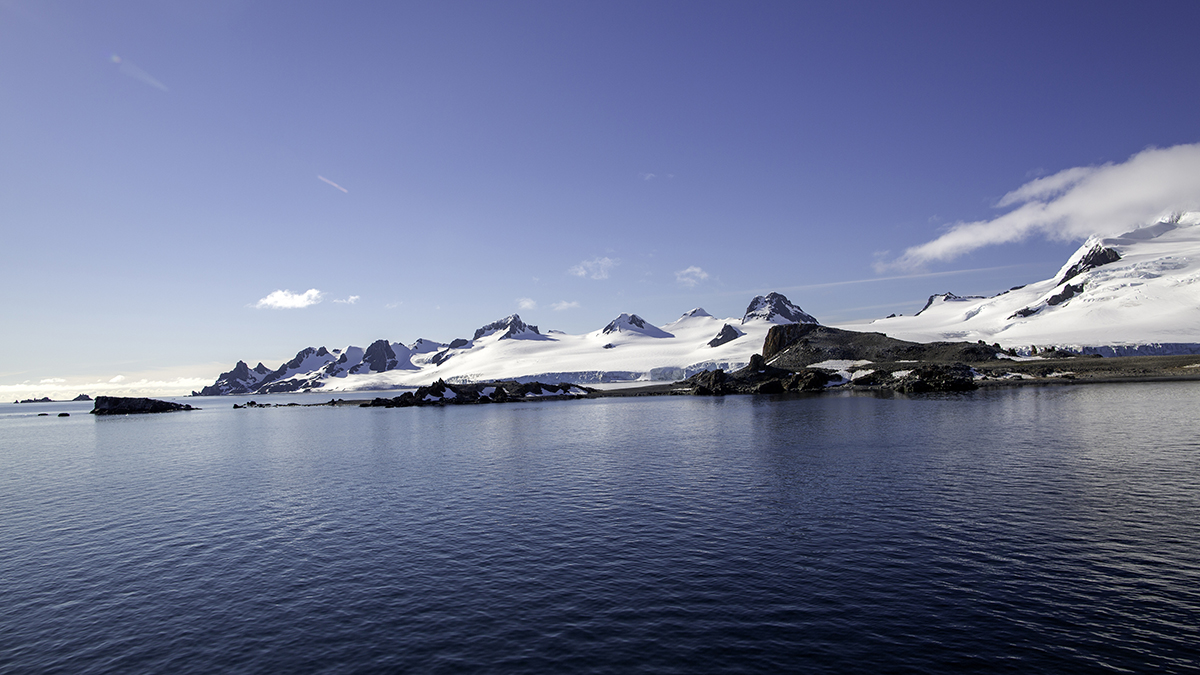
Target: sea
{"x": 1019, "y": 530}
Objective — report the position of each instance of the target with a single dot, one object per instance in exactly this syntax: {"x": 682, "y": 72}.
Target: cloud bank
{"x": 290, "y": 300}
{"x": 1076, "y": 203}
{"x": 596, "y": 268}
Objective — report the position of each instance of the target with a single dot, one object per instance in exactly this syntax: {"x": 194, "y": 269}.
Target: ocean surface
{"x": 1022, "y": 530}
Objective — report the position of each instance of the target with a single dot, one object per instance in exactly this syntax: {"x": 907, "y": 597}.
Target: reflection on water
{"x": 1027, "y": 529}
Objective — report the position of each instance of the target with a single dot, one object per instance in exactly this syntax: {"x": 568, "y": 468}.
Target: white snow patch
{"x": 839, "y": 364}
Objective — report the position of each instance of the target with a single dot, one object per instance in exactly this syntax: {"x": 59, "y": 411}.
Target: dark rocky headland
{"x": 122, "y": 405}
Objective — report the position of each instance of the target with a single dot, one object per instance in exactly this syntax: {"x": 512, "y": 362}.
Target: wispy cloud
{"x": 52, "y": 380}
{"x": 526, "y": 303}
{"x": 564, "y": 304}
{"x": 596, "y": 268}
{"x": 323, "y": 178}
{"x": 290, "y": 300}
{"x": 1076, "y": 203}
{"x": 896, "y": 277}
{"x": 691, "y": 276}
{"x": 117, "y": 380}
{"x": 348, "y": 301}
{"x": 127, "y": 68}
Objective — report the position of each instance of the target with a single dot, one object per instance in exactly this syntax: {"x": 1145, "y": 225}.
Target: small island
{"x": 121, "y": 405}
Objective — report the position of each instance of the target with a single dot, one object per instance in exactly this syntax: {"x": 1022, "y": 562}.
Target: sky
{"x": 183, "y": 185}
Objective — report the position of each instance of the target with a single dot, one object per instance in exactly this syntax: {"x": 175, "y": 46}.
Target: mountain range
{"x": 627, "y": 348}
{"x": 1137, "y": 293}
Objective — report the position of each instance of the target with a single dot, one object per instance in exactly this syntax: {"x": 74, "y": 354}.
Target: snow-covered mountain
{"x": 627, "y": 348}
{"x": 774, "y": 308}
{"x": 1137, "y": 293}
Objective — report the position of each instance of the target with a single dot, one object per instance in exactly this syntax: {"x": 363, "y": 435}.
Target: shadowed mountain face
{"x": 776, "y": 308}
{"x": 799, "y": 345}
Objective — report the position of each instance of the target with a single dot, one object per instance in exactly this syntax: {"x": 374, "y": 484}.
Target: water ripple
{"x": 1008, "y": 531}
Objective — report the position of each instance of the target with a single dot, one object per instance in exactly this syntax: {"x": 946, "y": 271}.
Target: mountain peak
{"x": 938, "y": 298}
{"x": 632, "y": 323}
{"x": 512, "y": 326}
{"x": 775, "y": 308}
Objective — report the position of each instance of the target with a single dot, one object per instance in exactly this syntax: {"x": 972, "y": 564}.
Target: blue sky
{"x": 167, "y": 166}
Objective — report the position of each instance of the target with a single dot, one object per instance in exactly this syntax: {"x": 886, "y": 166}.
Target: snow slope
{"x": 1145, "y": 301}
{"x": 628, "y": 348}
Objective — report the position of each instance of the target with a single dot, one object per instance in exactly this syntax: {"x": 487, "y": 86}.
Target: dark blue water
{"x": 1024, "y": 530}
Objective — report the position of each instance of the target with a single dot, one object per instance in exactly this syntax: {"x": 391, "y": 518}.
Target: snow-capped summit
{"x": 697, "y": 312}
{"x": 775, "y": 308}
{"x": 939, "y": 298}
{"x": 423, "y": 346}
{"x": 241, "y": 380}
{"x": 632, "y": 323}
{"x": 1137, "y": 293}
{"x": 510, "y": 327}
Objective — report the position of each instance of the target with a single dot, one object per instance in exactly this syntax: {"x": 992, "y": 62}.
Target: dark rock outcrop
{"x": 756, "y": 378}
{"x": 441, "y": 393}
{"x": 797, "y": 346}
{"x": 726, "y": 334}
{"x": 1065, "y": 294}
{"x": 937, "y": 377}
{"x": 1097, "y": 256}
{"x": 82, "y": 397}
{"x": 122, "y": 405}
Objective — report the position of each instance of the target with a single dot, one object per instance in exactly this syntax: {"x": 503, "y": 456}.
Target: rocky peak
{"x": 511, "y": 325}
{"x": 726, "y": 334}
{"x": 632, "y": 323}
{"x": 380, "y": 357}
{"x": 775, "y": 308}
{"x": 1096, "y": 256}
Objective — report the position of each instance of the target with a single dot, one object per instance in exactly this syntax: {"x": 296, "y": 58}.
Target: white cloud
{"x": 117, "y": 380}
{"x": 1076, "y": 203}
{"x": 290, "y": 300}
{"x": 596, "y": 268}
{"x": 348, "y": 301}
{"x": 563, "y": 304}
{"x": 691, "y": 276}
{"x": 52, "y": 380}
{"x": 647, "y": 176}
{"x": 526, "y": 303}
